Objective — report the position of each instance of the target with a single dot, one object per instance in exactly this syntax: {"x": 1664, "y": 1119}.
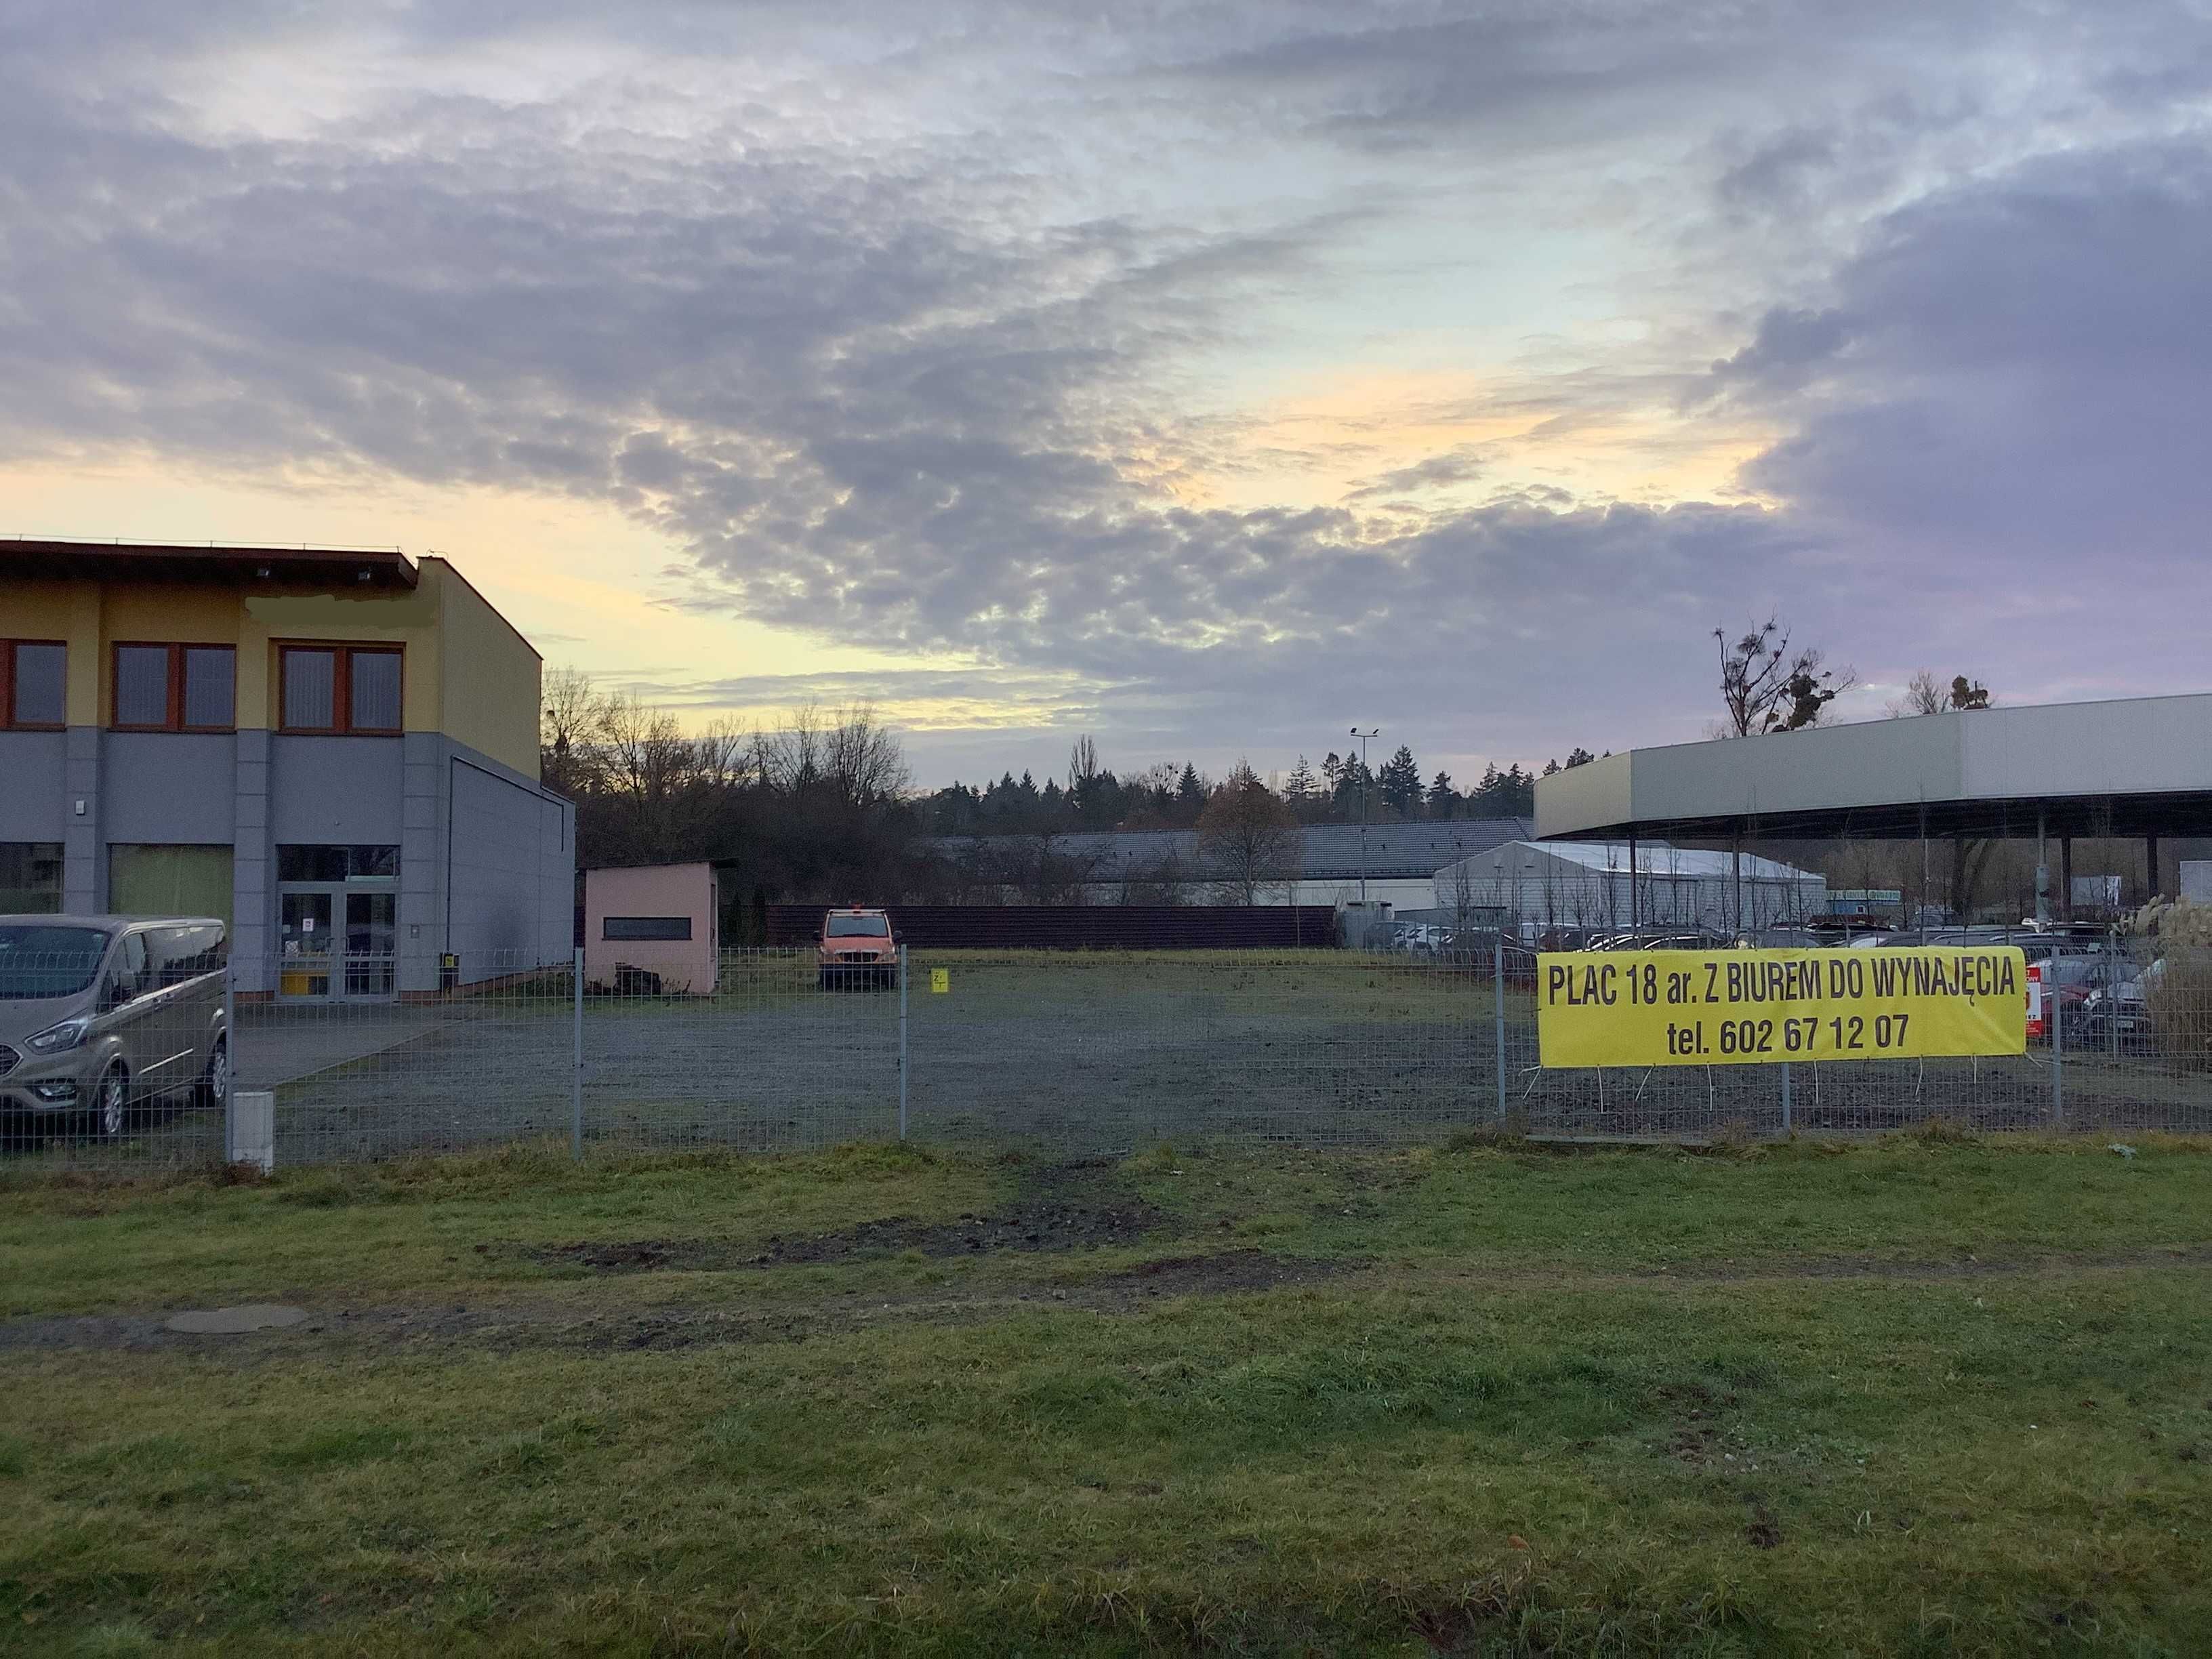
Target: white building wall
{"x": 1537, "y": 891}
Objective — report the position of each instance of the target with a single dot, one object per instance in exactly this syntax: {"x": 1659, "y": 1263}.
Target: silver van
{"x": 102, "y": 1015}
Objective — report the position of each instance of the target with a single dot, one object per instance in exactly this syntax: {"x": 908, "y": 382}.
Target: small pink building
{"x": 659, "y": 920}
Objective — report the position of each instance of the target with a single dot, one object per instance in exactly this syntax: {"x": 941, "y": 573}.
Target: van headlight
{"x": 58, "y": 1039}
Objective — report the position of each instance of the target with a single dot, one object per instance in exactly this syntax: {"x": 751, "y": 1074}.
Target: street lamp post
{"x": 1366, "y": 787}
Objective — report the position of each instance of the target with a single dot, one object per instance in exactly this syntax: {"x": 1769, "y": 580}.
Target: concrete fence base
{"x": 253, "y": 1127}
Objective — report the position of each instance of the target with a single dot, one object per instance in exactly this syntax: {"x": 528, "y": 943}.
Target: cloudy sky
{"x": 1208, "y": 376}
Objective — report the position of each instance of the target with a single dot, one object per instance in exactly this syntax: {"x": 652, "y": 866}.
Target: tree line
{"x": 821, "y": 806}
{"x": 1168, "y": 797}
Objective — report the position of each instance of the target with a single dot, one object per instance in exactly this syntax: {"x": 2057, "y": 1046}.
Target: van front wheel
{"x": 111, "y": 1106}
{"x": 215, "y": 1082}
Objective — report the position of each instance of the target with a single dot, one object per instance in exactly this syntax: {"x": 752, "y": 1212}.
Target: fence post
{"x": 576, "y": 1058}
{"x": 2058, "y": 1049}
{"x": 2111, "y": 987}
{"x": 230, "y": 1057}
{"x": 902, "y": 978}
{"x": 1497, "y": 1013}
{"x": 1785, "y": 1100}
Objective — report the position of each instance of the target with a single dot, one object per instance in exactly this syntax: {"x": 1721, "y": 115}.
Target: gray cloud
{"x": 904, "y": 390}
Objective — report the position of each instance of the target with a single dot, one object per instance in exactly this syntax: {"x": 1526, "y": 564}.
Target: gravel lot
{"x": 1071, "y": 1053}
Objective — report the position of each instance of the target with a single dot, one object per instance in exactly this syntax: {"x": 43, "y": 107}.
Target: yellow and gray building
{"x": 336, "y": 750}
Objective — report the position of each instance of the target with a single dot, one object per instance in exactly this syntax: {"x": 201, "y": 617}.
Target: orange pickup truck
{"x": 857, "y": 948}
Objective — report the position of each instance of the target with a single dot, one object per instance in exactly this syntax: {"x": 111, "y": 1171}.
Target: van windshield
{"x": 859, "y": 928}
{"x": 39, "y": 960}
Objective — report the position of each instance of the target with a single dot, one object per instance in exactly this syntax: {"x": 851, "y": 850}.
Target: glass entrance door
{"x": 372, "y": 943}
{"x": 307, "y": 944}
{"x": 340, "y": 912}
{"x": 325, "y": 958}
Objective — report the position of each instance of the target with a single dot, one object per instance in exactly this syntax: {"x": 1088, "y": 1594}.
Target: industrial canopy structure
{"x": 2138, "y": 767}
{"x": 2134, "y": 767}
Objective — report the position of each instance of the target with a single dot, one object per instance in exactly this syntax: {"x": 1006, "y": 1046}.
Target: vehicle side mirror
{"x": 113, "y": 994}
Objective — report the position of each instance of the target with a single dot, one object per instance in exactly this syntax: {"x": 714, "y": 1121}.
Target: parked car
{"x": 102, "y": 1016}
{"x": 857, "y": 948}
{"x": 1788, "y": 939}
{"x": 1419, "y": 939}
{"x": 2066, "y": 958}
{"x": 2112, "y": 1011}
{"x": 1662, "y": 939}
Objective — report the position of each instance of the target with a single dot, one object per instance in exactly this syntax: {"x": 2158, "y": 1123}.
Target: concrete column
{"x": 1635, "y": 899}
{"x": 1736, "y": 864}
{"x": 252, "y": 869}
{"x": 423, "y": 810}
{"x": 2042, "y": 872}
{"x": 2066, "y": 878}
{"x": 2150, "y": 865}
{"x": 84, "y": 852}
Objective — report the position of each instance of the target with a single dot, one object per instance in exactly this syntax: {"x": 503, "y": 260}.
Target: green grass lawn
{"x": 1930, "y": 1395}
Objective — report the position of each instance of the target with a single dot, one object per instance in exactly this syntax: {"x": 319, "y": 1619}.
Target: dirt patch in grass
{"x": 1022, "y": 1226}
{"x": 1067, "y": 1207}
{"x": 506, "y": 1328}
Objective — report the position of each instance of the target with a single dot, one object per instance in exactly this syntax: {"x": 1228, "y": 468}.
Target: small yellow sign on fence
{"x": 1753, "y": 1007}
{"x": 940, "y": 979}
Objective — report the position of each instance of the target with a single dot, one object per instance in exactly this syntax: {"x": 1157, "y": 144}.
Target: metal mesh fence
{"x": 1077, "y": 1051}
{"x": 1102, "y": 1050}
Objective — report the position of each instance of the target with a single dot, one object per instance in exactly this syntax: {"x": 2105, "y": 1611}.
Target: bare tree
{"x": 1923, "y": 695}
{"x": 1159, "y": 882}
{"x": 1250, "y": 838}
{"x": 1083, "y": 766}
{"x": 862, "y": 761}
{"x": 647, "y": 766}
{"x": 1765, "y": 687}
{"x": 790, "y": 758}
{"x": 571, "y": 716}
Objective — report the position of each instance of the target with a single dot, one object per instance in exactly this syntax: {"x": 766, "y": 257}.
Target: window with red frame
{"x": 174, "y": 688}
{"x": 34, "y": 684}
{"x": 339, "y": 689}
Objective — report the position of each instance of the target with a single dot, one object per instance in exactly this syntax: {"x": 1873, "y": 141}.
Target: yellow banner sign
{"x": 1753, "y": 1007}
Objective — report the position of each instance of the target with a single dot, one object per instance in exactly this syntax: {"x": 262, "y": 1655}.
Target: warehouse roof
{"x": 1655, "y": 858}
{"x": 1334, "y": 852}
{"x": 2139, "y": 766}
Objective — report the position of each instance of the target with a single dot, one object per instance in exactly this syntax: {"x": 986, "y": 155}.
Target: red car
{"x": 857, "y": 947}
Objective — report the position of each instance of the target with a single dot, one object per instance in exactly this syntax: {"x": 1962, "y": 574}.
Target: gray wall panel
{"x": 507, "y": 895}
{"x": 334, "y": 791}
{"x": 168, "y": 786}
{"x": 2089, "y": 748}
{"x": 33, "y": 766}
{"x": 1881, "y": 762}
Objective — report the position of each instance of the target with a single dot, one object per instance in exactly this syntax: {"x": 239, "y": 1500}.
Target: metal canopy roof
{"x": 2139, "y": 766}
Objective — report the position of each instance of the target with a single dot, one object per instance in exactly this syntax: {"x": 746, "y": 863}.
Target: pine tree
{"x": 1518, "y": 789}
{"x": 1300, "y": 788}
{"x": 1443, "y": 798}
{"x": 1401, "y": 782}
